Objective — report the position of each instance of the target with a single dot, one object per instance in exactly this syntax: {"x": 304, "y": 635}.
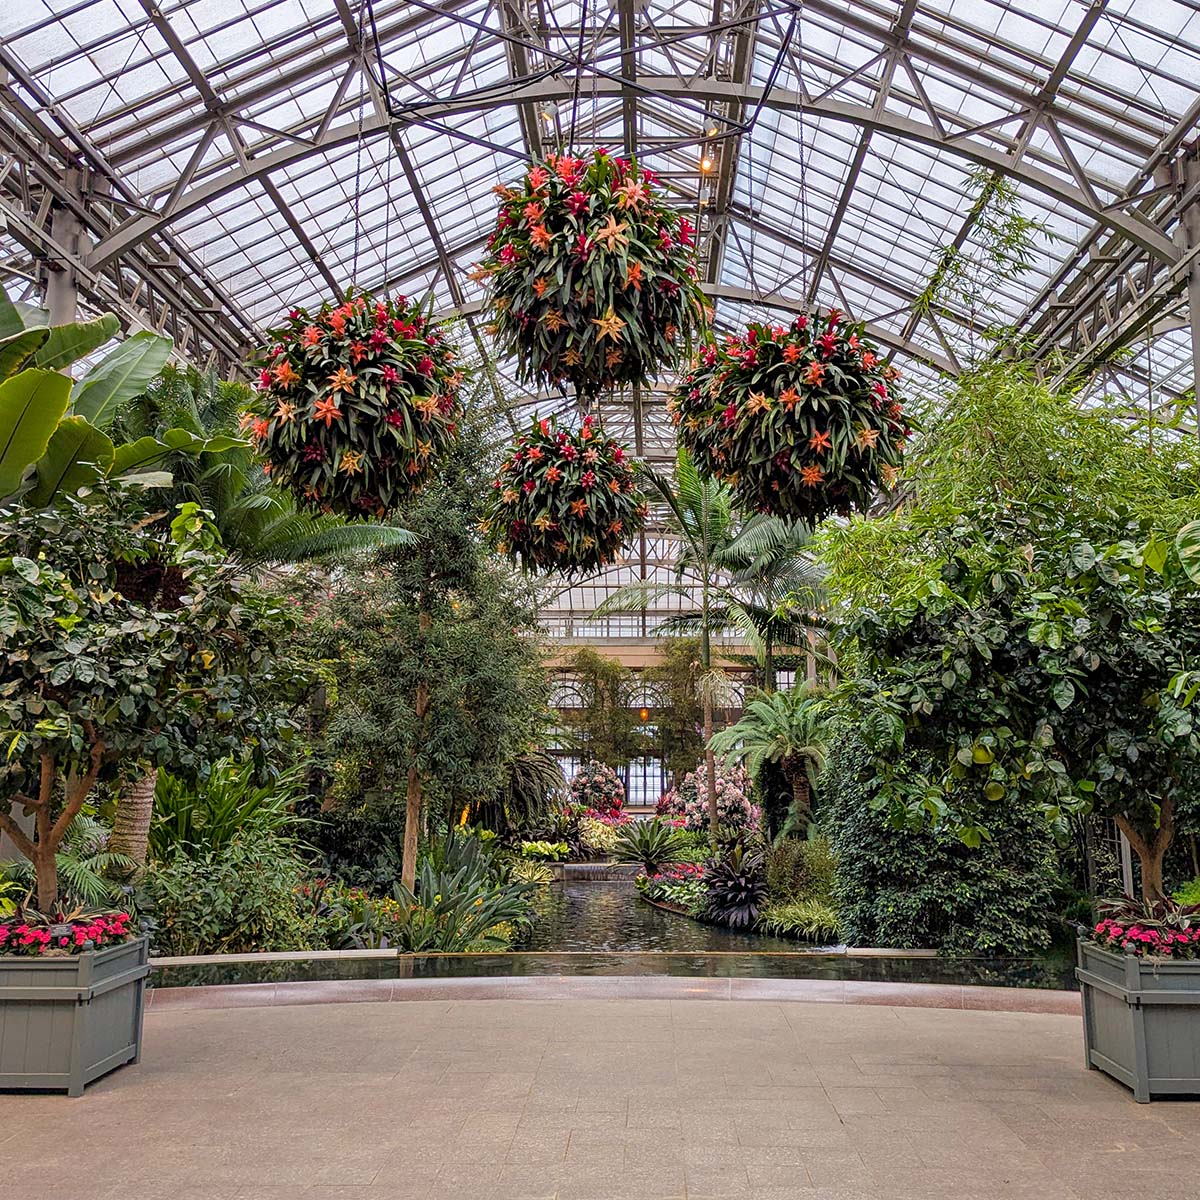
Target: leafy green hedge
{"x": 921, "y": 888}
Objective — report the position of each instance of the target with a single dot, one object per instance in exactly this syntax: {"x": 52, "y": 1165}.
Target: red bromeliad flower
{"x": 800, "y": 422}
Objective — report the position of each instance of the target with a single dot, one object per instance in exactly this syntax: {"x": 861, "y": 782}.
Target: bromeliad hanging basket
{"x": 355, "y": 404}
{"x": 564, "y": 500}
{"x": 800, "y": 422}
{"x": 592, "y": 275}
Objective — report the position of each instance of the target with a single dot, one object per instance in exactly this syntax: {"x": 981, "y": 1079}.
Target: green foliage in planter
{"x": 593, "y": 276}
{"x": 807, "y": 920}
{"x": 238, "y": 899}
{"x": 564, "y": 500}
{"x": 924, "y": 888}
{"x": 356, "y": 404}
{"x": 799, "y": 422}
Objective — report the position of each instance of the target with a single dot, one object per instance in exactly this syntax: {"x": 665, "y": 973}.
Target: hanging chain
{"x": 358, "y": 150}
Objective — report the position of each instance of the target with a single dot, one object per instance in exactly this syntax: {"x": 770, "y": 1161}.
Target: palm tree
{"x": 788, "y": 728}
{"x": 260, "y": 524}
{"x": 729, "y": 574}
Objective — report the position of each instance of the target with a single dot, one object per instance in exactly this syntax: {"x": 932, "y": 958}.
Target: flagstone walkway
{"x": 586, "y": 1099}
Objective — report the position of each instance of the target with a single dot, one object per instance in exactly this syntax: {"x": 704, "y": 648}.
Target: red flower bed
{"x": 31, "y": 934}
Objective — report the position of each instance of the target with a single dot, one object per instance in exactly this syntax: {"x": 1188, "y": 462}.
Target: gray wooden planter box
{"x": 1141, "y": 1020}
{"x": 66, "y": 1021}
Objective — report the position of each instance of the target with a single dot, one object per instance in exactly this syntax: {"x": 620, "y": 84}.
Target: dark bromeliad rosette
{"x": 564, "y": 501}
{"x": 355, "y": 404}
{"x": 799, "y": 422}
{"x": 593, "y": 277}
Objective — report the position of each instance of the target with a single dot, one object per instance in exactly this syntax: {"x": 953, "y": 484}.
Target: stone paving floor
{"x": 601, "y": 1100}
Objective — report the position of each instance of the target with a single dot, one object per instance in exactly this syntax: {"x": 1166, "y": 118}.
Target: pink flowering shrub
{"x": 598, "y": 788}
{"x": 31, "y": 934}
{"x": 1157, "y": 928}
{"x": 686, "y": 806}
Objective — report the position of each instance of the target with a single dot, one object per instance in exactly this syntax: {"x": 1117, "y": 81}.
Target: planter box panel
{"x": 67, "y": 1021}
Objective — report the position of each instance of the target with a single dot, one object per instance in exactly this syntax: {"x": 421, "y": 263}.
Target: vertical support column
{"x": 62, "y": 280}
{"x": 1191, "y": 231}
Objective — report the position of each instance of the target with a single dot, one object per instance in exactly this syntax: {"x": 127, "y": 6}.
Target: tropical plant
{"x": 601, "y": 720}
{"x": 598, "y": 789}
{"x": 789, "y": 728}
{"x": 544, "y": 851}
{"x": 205, "y": 816}
{"x": 801, "y": 869}
{"x": 686, "y": 803}
{"x": 29, "y": 933}
{"x": 1161, "y": 927}
{"x": 711, "y": 543}
{"x": 356, "y": 404}
{"x": 809, "y": 920}
{"x": 531, "y": 787}
{"x": 598, "y": 838}
{"x": 650, "y": 843}
{"x": 737, "y": 888}
{"x": 54, "y": 429}
{"x": 126, "y": 642}
{"x": 681, "y": 885}
{"x": 528, "y": 870}
{"x": 564, "y": 500}
{"x": 89, "y": 869}
{"x": 12, "y": 892}
{"x": 592, "y": 275}
{"x": 800, "y": 423}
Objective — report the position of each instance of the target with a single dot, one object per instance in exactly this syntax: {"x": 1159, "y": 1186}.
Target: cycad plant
{"x": 87, "y": 867}
{"x": 788, "y": 728}
{"x": 753, "y": 576}
{"x": 651, "y": 844}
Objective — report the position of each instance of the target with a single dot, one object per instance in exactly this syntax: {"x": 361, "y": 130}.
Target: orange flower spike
{"x": 540, "y": 284}
{"x": 815, "y": 373}
{"x": 553, "y": 475}
{"x": 311, "y": 336}
{"x": 820, "y": 441}
{"x": 633, "y": 276}
{"x": 342, "y": 381}
{"x": 261, "y": 428}
{"x": 811, "y": 476}
{"x": 614, "y": 486}
{"x": 326, "y": 410}
{"x": 539, "y": 235}
{"x": 286, "y": 374}
{"x": 789, "y": 398}
{"x": 867, "y": 437}
{"x": 791, "y": 353}
{"x": 578, "y": 507}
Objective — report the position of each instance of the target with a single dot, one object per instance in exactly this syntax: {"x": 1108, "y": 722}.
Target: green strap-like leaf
{"x": 31, "y": 406}
{"x": 16, "y": 349}
{"x": 69, "y": 343}
{"x": 119, "y": 377}
{"x": 146, "y": 451}
{"x": 78, "y": 454}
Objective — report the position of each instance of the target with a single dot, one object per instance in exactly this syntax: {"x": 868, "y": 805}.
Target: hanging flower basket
{"x": 355, "y": 404}
{"x": 593, "y": 277}
{"x": 564, "y": 501}
{"x": 800, "y": 422}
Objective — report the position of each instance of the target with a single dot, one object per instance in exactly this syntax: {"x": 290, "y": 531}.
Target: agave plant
{"x": 737, "y": 888}
{"x": 650, "y": 843}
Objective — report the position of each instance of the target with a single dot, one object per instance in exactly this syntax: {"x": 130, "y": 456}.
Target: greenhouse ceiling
{"x": 201, "y": 166}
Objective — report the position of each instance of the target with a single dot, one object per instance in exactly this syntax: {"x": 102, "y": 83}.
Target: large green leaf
{"x": 31, "y": 316}
{"x": 1187, "y": 544}
{"x": 31, "y": 406}
{"x": 120, "y": 376}
{"x": 146, "y": 451}
{"x": 69, "y": 343}
{"x": 10, "y": 318}
{"x": 17, "y": 347}
{"x": 78, "y": 454}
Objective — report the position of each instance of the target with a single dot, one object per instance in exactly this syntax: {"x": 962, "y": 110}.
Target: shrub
{"x": 241, "y": 898}
{"x": 650, "y": 843}
{"x": 924, "y": 887}
{"x": 801, "y": 869}
{"x": 545, "y": 851}
{"x": 689, "y": 800}
{"x": 362, "y": 844}
{"x": 737, "y": 888}
{"x": 809, "y": 920}
{"x": 681, "y": 885}
{"x": 1189, "y": 894}
{"x": 598, "y": 788}
{"x": 598, "y": 837}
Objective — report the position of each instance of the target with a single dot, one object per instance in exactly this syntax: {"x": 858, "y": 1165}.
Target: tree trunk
{"x": 131, "y": 825}
{"x": 45, "y": 865}
{"x": 768, "y": 661}
{"x": 1152, "y": 852}
{"x": 710, "y": 763}
{"x": 801, "y": 797}
{"x": 412, "y": 808}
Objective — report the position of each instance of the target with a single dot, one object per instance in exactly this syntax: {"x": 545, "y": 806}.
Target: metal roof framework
{"x": 200, "y": 166}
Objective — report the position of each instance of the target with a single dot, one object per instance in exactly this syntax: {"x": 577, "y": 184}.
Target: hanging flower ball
{"x": 800, "y": 422}
{"x": 355, "y": 404}
{"x": 564, "y": 501}
{"x": 593, "y": 277}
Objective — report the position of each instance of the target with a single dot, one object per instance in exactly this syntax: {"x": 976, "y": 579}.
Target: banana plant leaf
{"x": 10, "y": 317}
{"x": 31, "y": 406}
{"x": 146, "y": 451}
{"x": 121, "y": 375}
{"x": 66, "y": 344}
{"x": 16, "y": 349}
{"x": 78, "y": 455}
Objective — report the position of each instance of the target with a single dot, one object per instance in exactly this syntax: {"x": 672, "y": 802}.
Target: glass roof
{"x": 227, "y": 159}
